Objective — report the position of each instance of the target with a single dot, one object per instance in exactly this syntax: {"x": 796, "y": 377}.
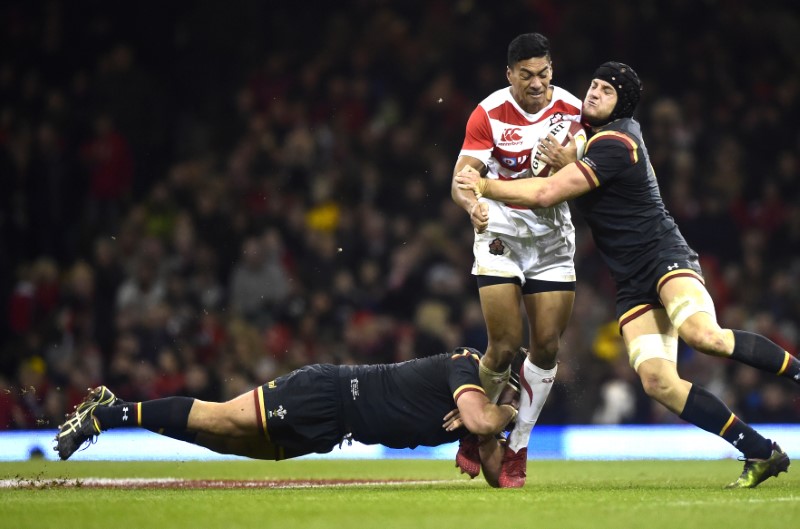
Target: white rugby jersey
{"x": 504, "y": 137}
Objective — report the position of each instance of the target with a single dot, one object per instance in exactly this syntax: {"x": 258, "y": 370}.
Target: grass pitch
{"x": 562, "y": 494}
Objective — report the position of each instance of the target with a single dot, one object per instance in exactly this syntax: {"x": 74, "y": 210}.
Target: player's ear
{"x": 508, "y": 74}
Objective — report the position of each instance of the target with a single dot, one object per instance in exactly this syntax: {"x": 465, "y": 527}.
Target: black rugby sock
{"x": 759, "y": 352}
{"x": 706, "y": 411}
{"x": 169, "y": 414}
{"x": 181, "y": 435}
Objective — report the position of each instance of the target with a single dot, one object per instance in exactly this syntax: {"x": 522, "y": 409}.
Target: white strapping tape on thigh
{"x": 649, "y": 346}
{"x": 681, "y": 307}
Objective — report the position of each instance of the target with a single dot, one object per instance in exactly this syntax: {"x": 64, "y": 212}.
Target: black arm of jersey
{"x": 463, "y": 373}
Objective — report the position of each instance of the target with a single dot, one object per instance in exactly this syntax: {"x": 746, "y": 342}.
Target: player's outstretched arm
{"x": 491, "y": 454}
{"x": 476, "y": 413}
{"x": 566, "y": 184}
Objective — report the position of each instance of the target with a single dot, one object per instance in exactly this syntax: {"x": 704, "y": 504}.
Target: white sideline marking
{"x": 172, "y": 483}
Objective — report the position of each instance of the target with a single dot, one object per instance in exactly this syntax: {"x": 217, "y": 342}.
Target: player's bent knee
{"x": 547, "y": 347}
{"x": 704, "y": 339}
{"x": 660, "y": 381}
{"x": 500, "y": 355}
{"x": 655, "y": 386}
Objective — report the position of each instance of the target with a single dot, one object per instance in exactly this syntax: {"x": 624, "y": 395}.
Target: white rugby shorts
{"x": 545, "y": 257}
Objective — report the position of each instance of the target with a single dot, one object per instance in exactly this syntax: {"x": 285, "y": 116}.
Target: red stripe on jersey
{"x": 524, "y": 382}
{"x": 466, "y": 388}
{"x": 624, "y": 139}
{"x": 589, "y": 175}
{"x": 479, "y": 132}
{"x": 508, "y": 113}
{"x": 512, "y": 160}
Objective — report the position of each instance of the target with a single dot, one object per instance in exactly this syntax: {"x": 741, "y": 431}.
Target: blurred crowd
{"x": 201, "y": 196}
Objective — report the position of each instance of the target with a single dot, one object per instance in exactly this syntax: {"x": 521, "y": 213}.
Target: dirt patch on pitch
{"x": 172, "y": 483}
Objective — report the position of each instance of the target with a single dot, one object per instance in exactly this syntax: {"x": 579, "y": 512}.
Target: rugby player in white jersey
{"x": 523, "y": 256}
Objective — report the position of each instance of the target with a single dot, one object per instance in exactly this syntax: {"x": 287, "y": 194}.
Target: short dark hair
{"x": 526, "y": 46}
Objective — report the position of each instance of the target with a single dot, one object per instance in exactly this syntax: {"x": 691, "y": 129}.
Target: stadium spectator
{"x": 109, "y": 162}
{"x": 259, "y": 282}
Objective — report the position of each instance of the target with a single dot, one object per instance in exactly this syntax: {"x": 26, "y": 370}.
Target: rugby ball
{"x": 560, "y": 131}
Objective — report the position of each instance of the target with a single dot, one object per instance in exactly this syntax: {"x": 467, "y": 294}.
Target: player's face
{"x": 530, "y": 81}
{"x": 599, "y": 102}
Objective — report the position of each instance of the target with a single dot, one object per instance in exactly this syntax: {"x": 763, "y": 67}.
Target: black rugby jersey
{"x": 403, "y": 405}
{"x": 630, "y": 225}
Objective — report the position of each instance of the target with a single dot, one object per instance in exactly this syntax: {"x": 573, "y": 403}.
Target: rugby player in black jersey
{"x": 315, "y": 408}
{"x": 661, "y": 293}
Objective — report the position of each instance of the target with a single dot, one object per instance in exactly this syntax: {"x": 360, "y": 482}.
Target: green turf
{"x": 559, "y": 494}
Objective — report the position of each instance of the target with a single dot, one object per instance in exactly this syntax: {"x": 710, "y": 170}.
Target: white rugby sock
{"x": 492, "y": 381}
{"x": 535, "y": 386}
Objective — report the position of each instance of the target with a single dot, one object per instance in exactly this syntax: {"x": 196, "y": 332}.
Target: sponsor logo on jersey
{"x": 514, "y": 162}
{"x": 125, "y": 414}
{"x": 548, "y": 380}
{"x": 354, "y": 388}
{"x": 511, "y": 136}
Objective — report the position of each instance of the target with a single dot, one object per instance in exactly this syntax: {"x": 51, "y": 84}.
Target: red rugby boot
{"x": 468, "y": 457}
{"x": 512, "y": 471}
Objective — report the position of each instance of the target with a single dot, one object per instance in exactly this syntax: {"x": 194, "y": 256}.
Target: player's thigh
{"x": 652, "y": 344}
{"x": 653, "y": 321}
{"x": 254, "y": 446}
{"x": 650, "y": 335}
{"x": 691, "y": 311}
{"x": 502, "y": 310}
{"x": 683, "y": 297}
{"x": 548, "y": 314}
{"x": 236, "y": 417}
